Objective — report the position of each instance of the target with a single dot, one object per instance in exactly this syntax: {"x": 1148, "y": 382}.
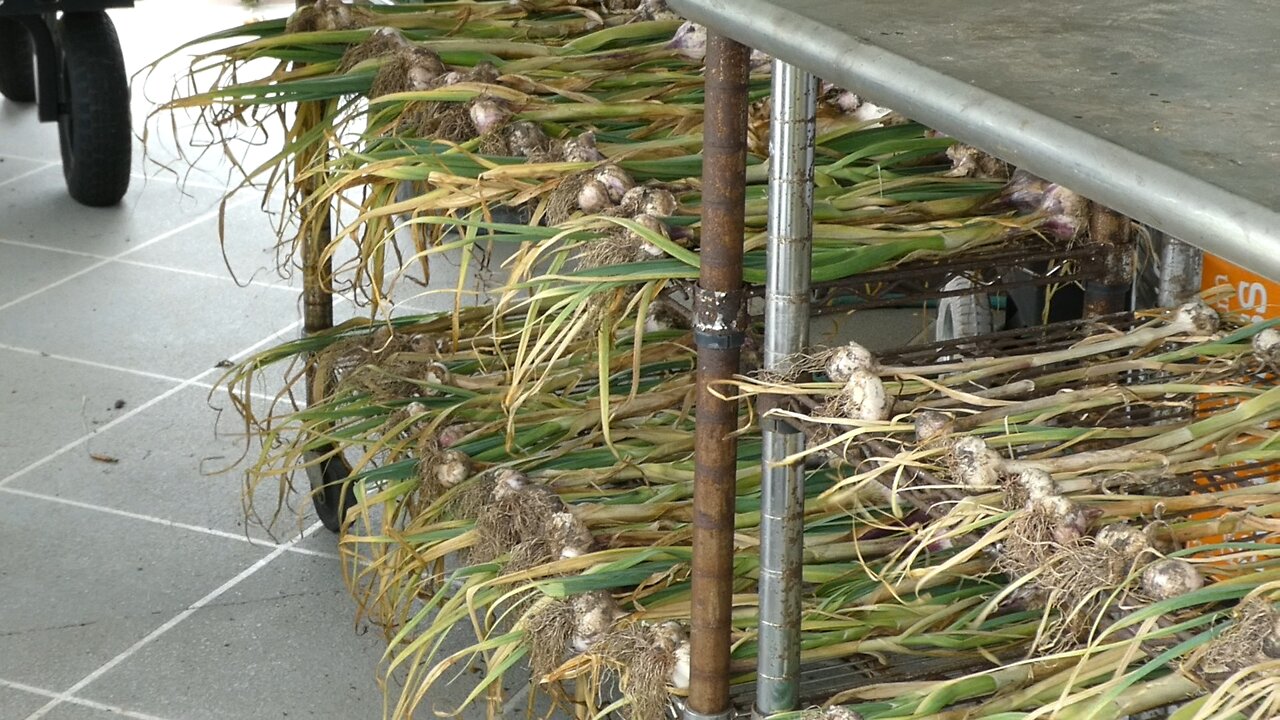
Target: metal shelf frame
{"x": 1160, "y": 112}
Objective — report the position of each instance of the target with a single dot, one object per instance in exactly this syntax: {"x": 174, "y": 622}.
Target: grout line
{"x": 151, "y": 265}
{"x": 28, "y": 173}
{"x": 183, "y": 183}
{"x": 172, "y": 623}
{"x": 254, "y": 395}
{"x": 94, "y": 705}
{"x": 168, "y": 523}
{"x": 134, "y": 411}
{"x": 211, "y": 276}
{"x": 162, "y": 236}
{"x": 64, "y": 251}
{"x": 90, "y": 363}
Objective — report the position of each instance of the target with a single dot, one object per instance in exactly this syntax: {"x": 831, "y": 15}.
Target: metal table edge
{"x": 1184, "y": 206}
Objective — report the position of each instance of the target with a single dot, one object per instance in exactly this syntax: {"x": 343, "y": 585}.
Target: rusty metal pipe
{"x": 718, "y": 335}
{"x": 317, "y": 269}
{"x": 1110, "y": 231}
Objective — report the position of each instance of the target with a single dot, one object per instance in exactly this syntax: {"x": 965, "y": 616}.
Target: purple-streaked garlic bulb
{"x": 1070, "y": 521}
{"x": 615, "y": 180}
{"x": 488, "y": 114}
{"x": 654, "y": 225}
{"x": 690, "y": 41}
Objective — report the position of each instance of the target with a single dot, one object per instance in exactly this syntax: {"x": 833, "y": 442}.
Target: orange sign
{"x": 1255, "y": 296}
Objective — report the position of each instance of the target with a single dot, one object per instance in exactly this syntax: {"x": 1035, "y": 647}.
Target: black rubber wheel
{"x": 94, "y": 127}
{"x": 331, "y": 494}
{"x": 327, "y": 471}
{"x": 17, "y": 63}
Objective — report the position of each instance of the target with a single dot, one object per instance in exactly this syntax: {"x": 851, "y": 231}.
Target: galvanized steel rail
{"x": 1165, "y": 112}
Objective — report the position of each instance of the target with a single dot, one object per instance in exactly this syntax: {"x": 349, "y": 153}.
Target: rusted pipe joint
{"x": 717, "y": 319}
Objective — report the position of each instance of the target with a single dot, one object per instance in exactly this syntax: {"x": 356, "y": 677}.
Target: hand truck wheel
{"x": 94, "y": 125}
{"x": 332, "y": 491}
{"x": 17, "y": 62}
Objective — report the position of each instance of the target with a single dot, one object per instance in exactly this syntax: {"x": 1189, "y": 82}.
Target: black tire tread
{"x": 96, "y": 160}
{"x": 17, "y": 63}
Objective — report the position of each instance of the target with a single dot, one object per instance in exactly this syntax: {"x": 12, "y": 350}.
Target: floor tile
{"x": 181, "y": 460}
{"x": 46, "y": 403}
{"x": 281, "y": 644}
{"x": 14, "y": 169}
{"x": 28, "y": 269}
{"x": 72, "y": 711}
{"x": 245, "y": 251}
{"x": 19, "y": 704}
{"x": 24, "y": 136}
{"x": 38, "y": 210}
{"x": 148, "y": 319}
{"x": 97, "y": 584}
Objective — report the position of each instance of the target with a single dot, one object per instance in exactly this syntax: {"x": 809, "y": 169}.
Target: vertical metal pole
{"x": 786, "y": 332}
{"x": 1181, "y": 270}
{"x": 719, "y": 340}
{"x": 317, "y": 273}
{"x": 1110, "y": 231}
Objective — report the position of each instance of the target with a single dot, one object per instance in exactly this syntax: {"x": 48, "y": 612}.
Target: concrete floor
{"x": 130, "y": 583}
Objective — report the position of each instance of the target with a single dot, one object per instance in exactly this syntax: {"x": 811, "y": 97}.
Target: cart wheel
{"x": 963, "y": 316}
{"x": 94, "y": 126}
{"x": 331, "y": 493}
{"x": 17, "y": 63}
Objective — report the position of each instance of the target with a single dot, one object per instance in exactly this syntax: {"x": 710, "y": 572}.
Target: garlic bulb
{"x": 654, "y": 225}
{"x": 595, "y": 612}
{"x": 452, "y": 467}
{"x": 1170, "y": 578}
{"x": 1196, "y": 317}
{"x": 643, "y": 200}
{"x": 615, "y": 180}
{"x": 526, "y": 139}
{"x": 1266, "y": 347}
{"x": 690, "y": 41}
{"x": 680, "y": 671}
{"x": 1125, "y": 539}
{"x": 508, "y": 482}
{"x": 593, "y": 197}
{"x": 844, "y": 360}
{"x": 864, "y": 397}
{"x": 488, "y": 114}
{"x": 1037, "y": 483}
{"x": 976, "y": 466}
{"x": 582, "y": 149}
{"x": 1070, "y": 523}
{"x": 930, "y": 424}
{"x": 1271, "y": 643}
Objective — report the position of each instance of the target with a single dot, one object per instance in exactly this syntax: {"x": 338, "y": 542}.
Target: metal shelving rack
{"x": 1159, "y": 112}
